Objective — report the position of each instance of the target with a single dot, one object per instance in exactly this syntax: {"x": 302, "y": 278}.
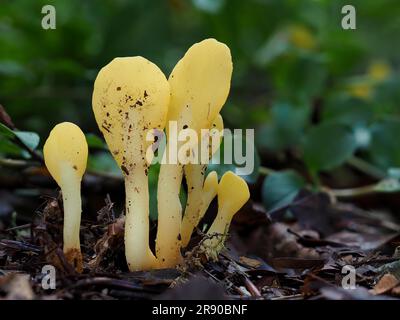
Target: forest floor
{"x": 315, "y": 248}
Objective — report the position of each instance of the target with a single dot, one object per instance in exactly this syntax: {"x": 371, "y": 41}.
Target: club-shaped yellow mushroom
{"x": 65, "y": 155}
{"x": 200, "y": 193}
{"x": 131, "y": 97}
{"x": 200, "y": 84}
{"x": 233, "y": 193}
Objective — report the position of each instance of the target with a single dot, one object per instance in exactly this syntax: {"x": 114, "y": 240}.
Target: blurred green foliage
{"x": 302, "y": 81}
{"x": 281, "y": 188}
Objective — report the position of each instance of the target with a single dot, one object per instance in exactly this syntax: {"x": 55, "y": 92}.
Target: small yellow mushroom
{"x": 209, "y": 191}
{"x": 198, "y": 199}
{"x": 233, "y": 193}
{"x": 65, "y": 155}
{"x": 200, "y": 84}
{"x": 130, "y": 98}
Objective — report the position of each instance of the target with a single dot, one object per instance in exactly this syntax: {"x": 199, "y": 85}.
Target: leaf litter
{"x": 295, "y": 253}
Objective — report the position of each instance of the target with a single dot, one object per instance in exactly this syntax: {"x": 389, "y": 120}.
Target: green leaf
{"x": 277, "y": 45}
{"x": 221, "y": 166}
{"x": 388, "y": 185}
{"x": 394, "y": 173}
{"x": 95, "y": 142}
{"x": 30, "y": 139}
{"x": 285, "y": 128}
{"x": 280, "y": 188}
{"x": 11, "y": 68}
{"x": 327, "y": 146}
{"x": 104, "y": 162}
{"x": 10, "y": 149}
{"x": 299, "y": 76}
{"x": 6, "y": 131}
{"x": 347, "y": 110}
{"x": 384, "y": 149}
{"x": 210, "y": 6}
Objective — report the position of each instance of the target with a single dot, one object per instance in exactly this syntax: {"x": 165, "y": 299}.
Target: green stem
{"x": 16, "y": 163}
{"x": 353, "y": 192}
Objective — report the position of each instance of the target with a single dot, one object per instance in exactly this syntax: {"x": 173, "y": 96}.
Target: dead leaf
{"x": 396, "y": 291}
{"x": 385, "y": 284}
{"x": 16, "y": 286}
{"x": 249, "y": 262}
{"x": 282, "y": 242}
{"x": 362, "y": 241}
{"x": 297, "y": 263}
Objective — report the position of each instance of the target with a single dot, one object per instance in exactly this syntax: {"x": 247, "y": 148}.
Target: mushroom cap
{"x": 200, "y": 84}
{"x": 211, "y": 182}
{"x": 233, "y": 192}
{"x": 218, "y": 124}
{"x": 66, "y": 145}
{"x": 130, "y": 97}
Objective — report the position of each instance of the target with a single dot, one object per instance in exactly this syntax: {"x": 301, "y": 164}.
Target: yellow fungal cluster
{"x": 132, "y": 97}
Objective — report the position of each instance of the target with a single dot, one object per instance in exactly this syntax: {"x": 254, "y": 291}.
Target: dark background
{"x": 317, "y": 95}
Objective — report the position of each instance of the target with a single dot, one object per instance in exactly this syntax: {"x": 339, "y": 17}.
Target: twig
{"x": 366, "y": 167}
{"x": 18, "y": 245}
{"x": 17, "y": 163}
{"x": 352, "y": 192}
{"x": 24, "y": 226}
{"x": 265, "y": 171}
{"x": 252, "y": 288}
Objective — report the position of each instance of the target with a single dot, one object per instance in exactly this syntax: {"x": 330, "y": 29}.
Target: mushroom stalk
{"x": 137, "y": 249}
{"x": 168, "y": 241}
{"x": 138, "y": 253}
{"x": 194, "y": 179}
{"x": 72, "y": 203}
{"x": 201, "y": 197}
